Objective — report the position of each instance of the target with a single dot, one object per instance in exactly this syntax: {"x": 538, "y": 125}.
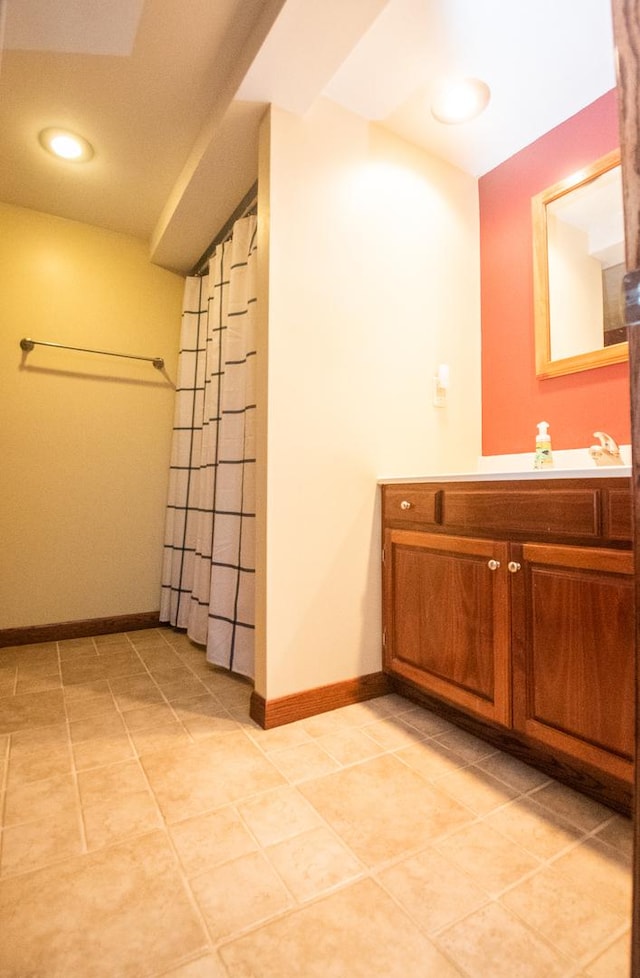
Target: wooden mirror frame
{"x": 545, "y": 366}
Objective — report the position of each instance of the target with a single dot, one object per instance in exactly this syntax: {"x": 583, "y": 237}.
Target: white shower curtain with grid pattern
{"x": 209, "y": 557}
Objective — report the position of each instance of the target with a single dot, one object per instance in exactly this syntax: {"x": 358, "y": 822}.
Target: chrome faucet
{"x": 607, "y": 452}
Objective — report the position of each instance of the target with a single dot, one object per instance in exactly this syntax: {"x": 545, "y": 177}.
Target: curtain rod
{"x": 28, "y": 344}
{"x": 243, "y": 209}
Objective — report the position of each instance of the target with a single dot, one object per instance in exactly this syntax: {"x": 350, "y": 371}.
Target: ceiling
{"x": 170, "y": 93}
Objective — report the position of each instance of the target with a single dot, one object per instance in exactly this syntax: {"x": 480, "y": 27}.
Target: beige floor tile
{"x": 208, "y": 774}
{"x": 135, "y": 692}
{"x": 600, "y": 869}
{"x": 122, "y": 664}
{"x": 350, "y": 745}
{"x": 491, "y": 859}
{"x": 619, "y": 834}
{"x": 50, "y": 762}
{"x": 393, "y": 732}
{"x": 210, "y": 724}
{"x": 40, "y": 800}
{"x": 279, "y": 738}
{"x": 147, "y": 638}
{"x": 37, "y": 684}
{"x": 38, "y": 739}
{"x": 568, "y": 916}
{"x": 382, "y": 809}
{"x": 210, "y": 966}
{"x": 471, "y": 748}
{"x": 476, "y": 789}
{"x": 358, "y": 932}
{"x": 169, "y": 670}
{"x": 93, "y": 706}
{"x": 80, "y": 670}
{"x": 162, "y": 737}
{"x": 148, "y": 716}
{"x": 323, "y": 724}
{"x": 96, "y": 728}
{"x": 369, "y": 711}
{"x": 572, "y": 806}
{"x": 110, "y": 638}
{"x": 492, "y": 942}
{"x": 133, "y": 813}
{"x": 313, "y": 863}
{"x": 428, "y": 723}
{"x": 278, "y": 815}
{"x": 101, "y": 751}
{"x": 86, "y": 691}
{"x": 35, "y": 844}
{"x": 432, "y": 890}
{"x": 513, "y": 772}
{"x": 301, "y": 763}
{"x": 228, "y": 907}
{"x": 207, "y": 841}
{"x": 99, "y": 915}
{"x": 101, "y": 785}
{"x": 431, "y": 759}
{"x": 184, "y": 686}
{"x": 7, "y": 686}
{"x": 33, "y": 667}
{"x": 72, "y": 646}
{"x": 534, "y": 828}
{"x": 31, "y": 710}
{"x": 615, "y": 961}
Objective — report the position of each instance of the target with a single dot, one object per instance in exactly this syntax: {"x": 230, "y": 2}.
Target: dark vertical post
{"x": 626, "y": 25}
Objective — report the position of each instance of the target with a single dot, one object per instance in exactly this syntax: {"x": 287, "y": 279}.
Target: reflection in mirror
{"x": 578, "y": 244}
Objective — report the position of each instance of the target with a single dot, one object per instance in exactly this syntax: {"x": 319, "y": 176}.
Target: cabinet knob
{"x": 513, "y": 566}
{"x": 405, "y": 504}
{"x": 493, "y": 564}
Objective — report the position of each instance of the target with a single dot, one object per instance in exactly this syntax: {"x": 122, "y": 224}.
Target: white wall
{"x": 372, "y": 279}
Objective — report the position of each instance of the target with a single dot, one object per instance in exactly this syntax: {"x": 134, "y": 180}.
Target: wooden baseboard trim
{"x": 607, "y": 790}
{"x": 57, "y": 632}
{"x": 286, "y": 709}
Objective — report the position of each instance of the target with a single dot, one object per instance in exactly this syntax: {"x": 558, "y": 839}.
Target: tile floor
{"x": 149, "y": 829}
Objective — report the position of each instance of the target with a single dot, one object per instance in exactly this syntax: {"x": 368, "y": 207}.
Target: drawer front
{"x": 570, "y": 513}
{"x": 412, "y": 504}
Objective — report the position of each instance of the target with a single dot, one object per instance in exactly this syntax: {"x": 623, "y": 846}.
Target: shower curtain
{"x": 209, "y": 555}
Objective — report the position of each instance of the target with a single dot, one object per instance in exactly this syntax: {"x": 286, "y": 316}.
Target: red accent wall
{"x": 513, "y": 400}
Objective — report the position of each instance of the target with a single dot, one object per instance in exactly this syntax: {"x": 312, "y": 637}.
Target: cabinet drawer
{"x": 412, "y": 504}
{"x": 569, "y": 513}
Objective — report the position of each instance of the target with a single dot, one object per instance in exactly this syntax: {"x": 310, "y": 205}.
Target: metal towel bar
{"x": 28, "y": 344}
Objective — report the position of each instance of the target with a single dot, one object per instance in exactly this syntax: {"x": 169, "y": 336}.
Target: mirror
{"x": 578, "y": 254}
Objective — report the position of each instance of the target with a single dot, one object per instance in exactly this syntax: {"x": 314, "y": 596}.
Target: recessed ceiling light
{"x": 457, "y": 100}
{"x": 66, "y": 145}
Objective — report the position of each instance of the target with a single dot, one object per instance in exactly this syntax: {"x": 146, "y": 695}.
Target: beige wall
{"x": 371, "y": 279}
{"x": 84, "y": 440}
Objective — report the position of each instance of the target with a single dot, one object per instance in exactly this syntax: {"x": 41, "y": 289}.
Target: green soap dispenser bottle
{"x": 543, "y": 457}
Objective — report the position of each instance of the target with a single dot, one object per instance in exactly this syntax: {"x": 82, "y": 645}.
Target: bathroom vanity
{"x": 509, "y": 609}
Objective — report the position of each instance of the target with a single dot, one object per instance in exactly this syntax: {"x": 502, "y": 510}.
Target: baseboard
{"x": 33, "y": 634}
{"x": 286, "y": 709}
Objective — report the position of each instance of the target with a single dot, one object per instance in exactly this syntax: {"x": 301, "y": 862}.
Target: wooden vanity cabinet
{"x": 572, "y": 614}
{"x": 512, "y": 604}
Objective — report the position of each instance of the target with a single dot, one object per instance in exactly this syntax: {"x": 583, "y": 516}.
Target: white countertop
{"x": 573, "y": 463}
{"x": 597, "y": 472}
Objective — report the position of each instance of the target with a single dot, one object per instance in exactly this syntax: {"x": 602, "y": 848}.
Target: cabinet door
{"x": 447, "y": 618}
{"x": 573, "y": 653}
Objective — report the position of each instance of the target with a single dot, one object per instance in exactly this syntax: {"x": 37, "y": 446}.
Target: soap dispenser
{"x": 543, "y": 457}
